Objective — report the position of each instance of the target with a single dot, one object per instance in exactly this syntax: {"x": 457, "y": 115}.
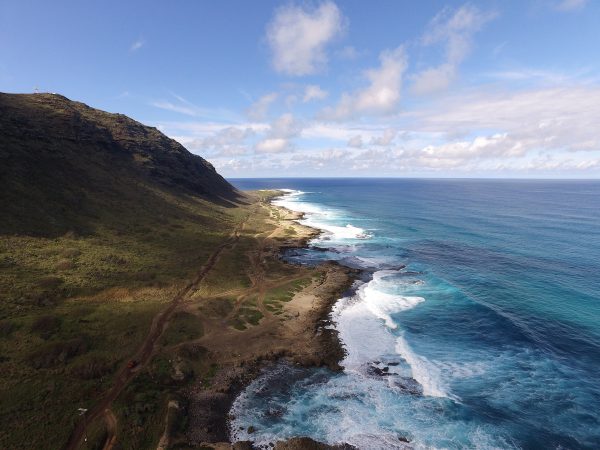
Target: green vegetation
{"x": 230, "y": 270}
{"x": 182, "y": 327}
{"x": 219, "y": 307}
{"x": 142, "y": 407}
{"x": 105, "y": 221}
{"x": 246, "y": 315}
{"x": 276, "y": 297}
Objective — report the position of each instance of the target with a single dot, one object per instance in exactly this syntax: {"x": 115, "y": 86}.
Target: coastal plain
{"x": 66, "y": 353}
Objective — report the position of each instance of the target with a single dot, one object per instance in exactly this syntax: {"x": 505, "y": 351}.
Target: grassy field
{"x": 75, "y": 308}
{"x": 106, "y": 227}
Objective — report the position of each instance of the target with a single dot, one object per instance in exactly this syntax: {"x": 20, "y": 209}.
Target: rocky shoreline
{"x": 311, "y": 342}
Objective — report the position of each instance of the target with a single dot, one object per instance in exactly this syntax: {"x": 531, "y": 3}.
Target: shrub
{"x": 95, "y": 367}
{"x": 71, "y": 252}
{"x": 49, "y": 282}
{"x": 57, "y": 353}
{"x": 146, "y": 276}
{"x": 6, "y": 328}
{"x": 6, "y": 262}
{"x": 192, "y": 351}
{"x": 64, "y": 264}
{"x": 114, "y": 259}
{"x": 46, "y": 326}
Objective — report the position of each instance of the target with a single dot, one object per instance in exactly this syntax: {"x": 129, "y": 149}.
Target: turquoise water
{"x": 477, "y": 323}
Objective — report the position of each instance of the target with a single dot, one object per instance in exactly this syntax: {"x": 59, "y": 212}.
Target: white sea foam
{"x": 363, "y": 337}
{"x": 424, "y": 371}
{"x": 361, "y": 333}
{"x": 358, "y": 321}
{"x": 337, "y": 232}
{"x": 382, "y": 304}
{"x": 358, "y": 406}
{"x": 319, "y": 217}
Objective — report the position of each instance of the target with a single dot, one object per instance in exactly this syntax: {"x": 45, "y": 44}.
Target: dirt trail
{"x": 143, "y": 356}
{"x": 297, "y": 331}
{"x": 111, "y": 428}
{"x": 258, "y": 270}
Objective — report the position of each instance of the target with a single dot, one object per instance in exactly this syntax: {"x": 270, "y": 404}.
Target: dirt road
{"x": 144, "y": 354}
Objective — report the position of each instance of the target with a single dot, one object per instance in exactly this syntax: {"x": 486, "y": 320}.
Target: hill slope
{"x": 137, "y": 284}
{"x": 104, "y": 222}
{"x": 66, "y": 167}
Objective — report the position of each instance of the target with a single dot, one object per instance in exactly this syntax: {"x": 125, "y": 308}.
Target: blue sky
{"x": 324, "y": 88}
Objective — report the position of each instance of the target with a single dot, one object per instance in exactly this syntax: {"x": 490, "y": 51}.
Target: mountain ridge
{"x": 62, "y": 161}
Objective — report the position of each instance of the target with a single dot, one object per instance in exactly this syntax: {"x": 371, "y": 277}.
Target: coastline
{"x": 303, "y": 338}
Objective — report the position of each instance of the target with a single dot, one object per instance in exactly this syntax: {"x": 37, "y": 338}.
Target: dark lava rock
{"x": 304, "y": 443}
{"x": 408, "y": 385}
{"x": 376, "y": 371}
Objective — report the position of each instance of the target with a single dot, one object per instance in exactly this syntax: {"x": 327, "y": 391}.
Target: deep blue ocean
{"x": 477, "y": 323}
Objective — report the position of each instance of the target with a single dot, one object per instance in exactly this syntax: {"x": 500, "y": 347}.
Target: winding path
{"x": 144, "y": 354}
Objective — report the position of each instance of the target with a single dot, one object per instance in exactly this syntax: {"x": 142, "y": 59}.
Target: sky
{"x": 331, "y": 88}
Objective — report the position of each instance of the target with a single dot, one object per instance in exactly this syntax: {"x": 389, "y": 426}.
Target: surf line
{"x": 370, "y": 294}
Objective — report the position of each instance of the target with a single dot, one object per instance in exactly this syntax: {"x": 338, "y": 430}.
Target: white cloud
{"x": 314, "y": 92}
{"x": 455, "y": 30}
{"x": 571, "y": 5}
{"x": 202, "y": 129}
{"x": 286, "y": 126}
{"x": 534, "y": 75}
{"x": 529, "y": 132}
{"x": 213, "y": 139}
{"x": 259, "y": 109}
{"x": 230, "y": 135}
{"x": 227, "y": 141}
{"x": 386, "y": 138}
{"x": 291, "y": 100}
{"x": 355, "y": 141}
{"x": 434, "y": 79}
{"x": 556, "y": 122}
{"x": 342, "y": 131}
{"x": 560, "y": 117}
{"x": 298, "y": 37}
{"x": 169, "y": 106}
{"x": 272, "y": 145}
{"x": 454, "y": 154}
{"x": 278, "y": 137}
{"x": 383, "y": 93}
{"x": 183, "y": 106}
{"x": 135, "y": 46}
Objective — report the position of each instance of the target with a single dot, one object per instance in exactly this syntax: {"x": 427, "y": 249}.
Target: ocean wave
{"x": 319, "y": 217}
{"x": 361, "y": 333}
{"x": 425, "y": 372}
{"x": 336, "y": 232}
{"x": 366, "y": 340}
{"x": 356, "y": 318}
{"x": 383, "y": 305}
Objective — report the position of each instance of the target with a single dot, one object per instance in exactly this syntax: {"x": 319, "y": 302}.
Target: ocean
{"x": 476, "y": 324}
